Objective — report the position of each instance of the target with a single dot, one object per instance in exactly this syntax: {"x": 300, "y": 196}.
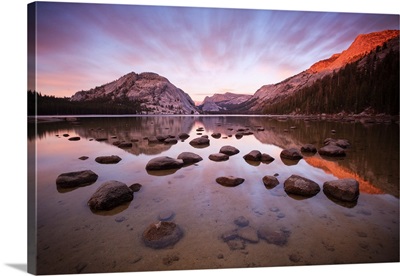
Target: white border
{"x": 13, "y": 241}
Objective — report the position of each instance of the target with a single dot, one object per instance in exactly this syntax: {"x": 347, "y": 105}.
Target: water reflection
{"x": 321, "y": 230}
{"x": 372, "y": 157}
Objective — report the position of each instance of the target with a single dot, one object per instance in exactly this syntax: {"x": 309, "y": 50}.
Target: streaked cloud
{"x": 200, "y": 50}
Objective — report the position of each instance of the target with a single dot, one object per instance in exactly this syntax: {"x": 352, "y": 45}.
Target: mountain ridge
{"x": 273, "y": 93}
{"x": 156, "y": 94}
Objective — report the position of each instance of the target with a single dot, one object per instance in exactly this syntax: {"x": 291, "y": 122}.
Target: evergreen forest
{"x": 353, "y": 89}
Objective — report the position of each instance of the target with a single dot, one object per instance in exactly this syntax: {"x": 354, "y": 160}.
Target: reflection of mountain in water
{"x": 373, "y": 155}
{"x": 135, "y": 130}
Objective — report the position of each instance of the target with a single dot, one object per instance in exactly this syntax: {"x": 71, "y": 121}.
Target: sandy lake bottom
{"x": 317, "y": 230}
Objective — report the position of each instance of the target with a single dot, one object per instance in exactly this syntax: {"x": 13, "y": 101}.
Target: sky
{"x": 200, "y": 50}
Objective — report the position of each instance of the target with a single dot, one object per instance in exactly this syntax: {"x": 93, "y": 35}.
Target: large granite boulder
{"x": 77, "y": 178}
{"x": 109, "y": 195}
{"x": 229, "y": 181}
{"x": 189, "y": 157}
{"x": 302, "y": 186}
{"x": 162, "y": 234}
{"x": 229, "y": 150}
{"x": 342, "y": 189}
{"x": 332, "y": 151}
{"x": 164, "y": 163}
{"x": 292, "y": 154}
{"x": 112, "y": 159}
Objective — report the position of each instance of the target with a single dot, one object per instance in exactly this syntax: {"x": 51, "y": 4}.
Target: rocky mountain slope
{"x": 155, "y": 94}
{"x": 359, "y": 51}
{"x": 222, "y": 102}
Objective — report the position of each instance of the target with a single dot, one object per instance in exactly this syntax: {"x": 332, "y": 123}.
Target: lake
{"x": 309, "y": 231}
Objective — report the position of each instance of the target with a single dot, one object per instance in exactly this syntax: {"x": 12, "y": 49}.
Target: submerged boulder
{"x": 342, "y": 189}
{"x": 164, "y": 163}
{"x": 248, "y": 234}
{"x": 302, "y": 186}
{"x": 162, "y": 234}
{"x": 77, "y": 178}
{"x": 277, "y": 237}
{"x": 109, "y": 195}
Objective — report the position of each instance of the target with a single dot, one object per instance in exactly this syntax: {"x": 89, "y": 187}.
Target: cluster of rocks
{"x": 244, "y": 233}
{"x": 257, "y": 156}
{"x": 167, "y": 139}
{"x": 109, "y": 195}
{"x": 346, "y": 190}
{"x": 166, "y": 162}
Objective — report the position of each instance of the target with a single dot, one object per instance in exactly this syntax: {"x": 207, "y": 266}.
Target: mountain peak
{"x": 361, "y": 46}
{"x": 154, "y": 93}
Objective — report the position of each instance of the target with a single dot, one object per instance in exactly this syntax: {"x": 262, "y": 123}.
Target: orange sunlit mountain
{"x": 341, "y": 172}
{"x": 362, "y": 45}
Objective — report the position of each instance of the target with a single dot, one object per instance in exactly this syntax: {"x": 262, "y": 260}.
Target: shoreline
{"x": 364, "y": 118}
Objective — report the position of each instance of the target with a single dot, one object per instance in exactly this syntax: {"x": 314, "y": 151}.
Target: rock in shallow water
{"x": 254, "y": 155}
{"x": 270, "y": 181}
{"x": 112, "y": 159}
{"x": 332, "y": 150}
{"x": 277, "y": 237}
{"x": 292, "y": 154}
{"x": 308, "y": 148}
{"x": 229, "y": 181}
{"x": 342, "y": 189}
{"x": 74, "y": 179}
{"x": 200, "y": 142}
{"x": 299, "y": 185}
{"x": 135, "y": 187}
{"x": 248, "y": 234}
{"x": 164, "y": 163}
{"x": 229, "y": 150}
{"x": 241, "y": 221}
{"x": 110, "y": 195}
{"x": 189, "y": 158}
{"x": 218, "y": 157}
{"x": 162, "y": 234}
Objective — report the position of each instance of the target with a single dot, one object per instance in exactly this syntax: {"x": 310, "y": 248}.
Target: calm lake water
{"x": 73, "y": 239}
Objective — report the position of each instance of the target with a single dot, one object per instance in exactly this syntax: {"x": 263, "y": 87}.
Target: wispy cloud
{"x": 200, "y": 50}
